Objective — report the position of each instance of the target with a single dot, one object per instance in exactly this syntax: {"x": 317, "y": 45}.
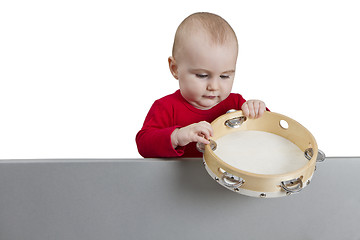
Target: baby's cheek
{"x": 224, "y": 96}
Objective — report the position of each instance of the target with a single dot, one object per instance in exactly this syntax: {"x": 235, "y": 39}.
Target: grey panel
{"x": 167, "y": 199}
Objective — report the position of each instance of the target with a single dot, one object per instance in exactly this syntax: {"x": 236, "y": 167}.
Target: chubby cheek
{"x": 226, "y": 90}
{"x": 191, "y": 91}
{"x": 192, "y": 86}
{"x": 223, "y": 96}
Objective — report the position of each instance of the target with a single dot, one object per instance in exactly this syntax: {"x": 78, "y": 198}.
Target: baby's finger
{"x": 256, "y": 109}
{"x": 251, "y": 109}
{"x": 262, "y": 109}
{"x": 205, "y": 133}
{"x": 202, "y": 140}
{"x": 207, "y": 128}
{"x": 199, "y": 131}
{"x": 245, "y": 109}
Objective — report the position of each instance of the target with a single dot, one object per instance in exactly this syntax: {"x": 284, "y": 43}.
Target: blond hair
{"x": 217, "y": 29}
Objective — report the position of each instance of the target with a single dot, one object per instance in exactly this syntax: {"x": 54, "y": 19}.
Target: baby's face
{"x": 206, "y": 71}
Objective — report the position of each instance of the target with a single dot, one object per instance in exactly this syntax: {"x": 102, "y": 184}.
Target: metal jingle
{"x": 292, "y": 186}
{"x": 201, "y": 147}
{"x": 235, "y": 122}
{"x": 231, "y": 110}
{"x": 230, "y": 180}
{"x": 309, "y": 153}
{"x": 321, "y": 156}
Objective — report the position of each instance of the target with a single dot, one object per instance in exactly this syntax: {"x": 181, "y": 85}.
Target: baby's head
{"x": 204, "y": 59}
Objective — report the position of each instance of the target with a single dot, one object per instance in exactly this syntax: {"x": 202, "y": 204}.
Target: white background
{"x": 77, "y": 77}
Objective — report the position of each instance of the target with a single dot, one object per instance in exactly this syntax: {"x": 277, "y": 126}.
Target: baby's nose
{"x": 213, "y": 85}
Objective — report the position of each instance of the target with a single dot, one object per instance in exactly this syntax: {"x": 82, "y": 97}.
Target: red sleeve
{"x": 241, "y": 101}
{"x": 154, "y": 140}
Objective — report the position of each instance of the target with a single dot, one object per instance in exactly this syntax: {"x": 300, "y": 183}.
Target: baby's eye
{"x": 201, "y": 75}
{"x": 224, "y": 76}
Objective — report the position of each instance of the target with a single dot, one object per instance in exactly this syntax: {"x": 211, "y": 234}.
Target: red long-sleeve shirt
{"x": 171, "y": 112}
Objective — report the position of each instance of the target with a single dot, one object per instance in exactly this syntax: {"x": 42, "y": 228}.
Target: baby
{"x": 203, "y": 61}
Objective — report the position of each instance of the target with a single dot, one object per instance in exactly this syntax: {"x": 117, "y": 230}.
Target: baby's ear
{"x": 173, "y": 67}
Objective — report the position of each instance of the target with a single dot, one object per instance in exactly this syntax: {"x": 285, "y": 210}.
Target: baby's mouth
{"x": 210, "y": 97}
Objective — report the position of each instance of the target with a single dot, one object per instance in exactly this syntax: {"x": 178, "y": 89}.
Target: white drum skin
{"x": 257, "y": 184}
{"x": 260, "y": 152}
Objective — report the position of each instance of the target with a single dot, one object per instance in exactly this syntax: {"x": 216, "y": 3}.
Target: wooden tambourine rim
{"x": 269, "y": 122}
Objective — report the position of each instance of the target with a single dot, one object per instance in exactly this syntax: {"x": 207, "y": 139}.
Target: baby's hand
{"x": 253, "y": 108}
{"x": 197, "y": 132}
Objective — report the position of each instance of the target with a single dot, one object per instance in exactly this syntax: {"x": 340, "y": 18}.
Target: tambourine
{"x": 272, "y": 156}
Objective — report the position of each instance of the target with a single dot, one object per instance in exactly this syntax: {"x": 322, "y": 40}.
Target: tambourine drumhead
{"x": 260, "y": 152}
{"x": 261, "y": 157}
